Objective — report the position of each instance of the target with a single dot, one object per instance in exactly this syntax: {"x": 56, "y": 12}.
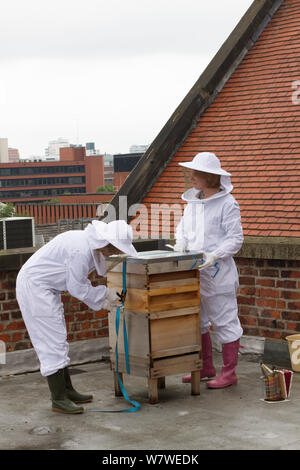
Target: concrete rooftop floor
{"x": 235, "y": 418}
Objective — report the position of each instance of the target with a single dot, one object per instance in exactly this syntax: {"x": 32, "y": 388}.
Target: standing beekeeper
{"x": 212, "y": 223}
{"x": 64, "y": 264}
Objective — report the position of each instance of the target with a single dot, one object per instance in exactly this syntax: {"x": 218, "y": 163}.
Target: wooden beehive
{"x": 17, "y": 232}
{"x": 162, "y": 313}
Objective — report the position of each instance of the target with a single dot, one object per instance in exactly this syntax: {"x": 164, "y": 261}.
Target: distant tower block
{"x": 3, "y": 150}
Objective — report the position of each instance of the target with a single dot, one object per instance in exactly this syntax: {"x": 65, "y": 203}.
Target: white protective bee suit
{"x": 64, "y": 264}
{"x": 214, "y": 226}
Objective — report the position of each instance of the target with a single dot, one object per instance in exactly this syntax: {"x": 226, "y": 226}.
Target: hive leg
{"x": 153, "y": 391}
{"x": 195, "y": 382}
{"x": 118, "y": 391}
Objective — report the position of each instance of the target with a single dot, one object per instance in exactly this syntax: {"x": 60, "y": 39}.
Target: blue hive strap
{"x": 196, "y": 261}
{"x": 135, "y": 404}
{"x": 217, "y": 266}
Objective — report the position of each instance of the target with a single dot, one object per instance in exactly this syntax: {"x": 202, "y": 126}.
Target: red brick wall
{"x": 85, "y": 198}
{"x": 69, "y": 207}
{"x": 119, "y": 178}
{"x": 94, "y": 173}
{"x": 82, "y": 322}
{"x": 72, "y": 154}
{"x": 269, "y": 297}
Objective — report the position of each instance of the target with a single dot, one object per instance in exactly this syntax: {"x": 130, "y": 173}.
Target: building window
{"x": 42, "y": 181}
{"x": 41, "y": 170}
{"x": 40, "y": 192}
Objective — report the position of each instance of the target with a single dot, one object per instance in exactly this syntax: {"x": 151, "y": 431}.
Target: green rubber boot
{"x": 71, "y": 392}
{"x": 60, "y": 400}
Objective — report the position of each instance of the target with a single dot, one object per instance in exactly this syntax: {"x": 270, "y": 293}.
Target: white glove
{"x": 180, "y": 245}
{"x": 209, "y": 260}
{"x": 112, "y": 300}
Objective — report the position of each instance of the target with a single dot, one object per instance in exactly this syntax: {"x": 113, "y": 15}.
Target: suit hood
{"x": 191, "y": 195}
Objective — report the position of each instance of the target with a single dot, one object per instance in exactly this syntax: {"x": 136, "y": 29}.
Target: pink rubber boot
{"x": 230, "y": 360}
{"x": 208, "y": 369}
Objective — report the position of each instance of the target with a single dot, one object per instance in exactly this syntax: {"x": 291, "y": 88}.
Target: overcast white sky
{"x": 105, "y": 71}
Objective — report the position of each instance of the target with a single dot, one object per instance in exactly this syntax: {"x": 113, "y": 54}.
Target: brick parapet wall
{"x": 269, "y": 297}
{"x": 268, "y": 300}
{"x": 50, "y": 231}
{"x": 82, "y": 322}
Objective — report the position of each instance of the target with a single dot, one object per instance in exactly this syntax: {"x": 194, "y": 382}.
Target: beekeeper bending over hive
{"x": 212, "y": 223}
{"x": 64, "y": 264}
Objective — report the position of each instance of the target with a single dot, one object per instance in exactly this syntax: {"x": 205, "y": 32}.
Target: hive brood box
{"x": 162, "y": 314}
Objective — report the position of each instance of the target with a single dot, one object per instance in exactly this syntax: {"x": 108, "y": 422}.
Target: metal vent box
{"x": 16, "y": 232}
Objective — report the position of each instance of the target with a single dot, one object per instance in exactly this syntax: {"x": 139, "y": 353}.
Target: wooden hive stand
{"x": 162, "y": 314}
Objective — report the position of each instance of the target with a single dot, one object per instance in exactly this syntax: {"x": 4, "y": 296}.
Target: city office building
{"x": 52, "y": 151}
{"x": 13, "y": 155}
{"x": 3, "y": 150}
{"x": 108, "y": 168}
{"x": 123, "y": 164}
{"x": 38, "y": 181}
{"x": 138, "y": 148}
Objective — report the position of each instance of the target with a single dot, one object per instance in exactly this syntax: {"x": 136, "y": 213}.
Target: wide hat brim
{"x": 198, "y": 167}
{"x": 118, "y": 234}
{"x": 127, "y": 248}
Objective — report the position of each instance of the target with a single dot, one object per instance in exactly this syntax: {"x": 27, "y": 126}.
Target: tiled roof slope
{"x": 253, "y": 126}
